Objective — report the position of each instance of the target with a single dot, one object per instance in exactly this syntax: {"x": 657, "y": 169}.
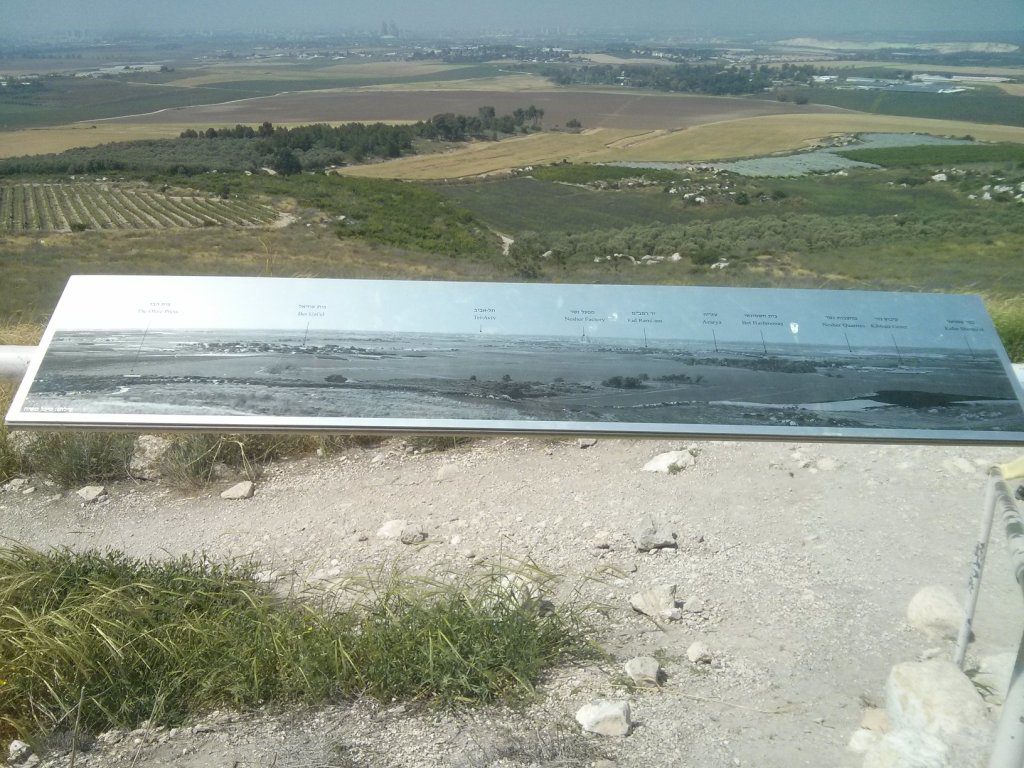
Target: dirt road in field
{"x": 796, "y": 562}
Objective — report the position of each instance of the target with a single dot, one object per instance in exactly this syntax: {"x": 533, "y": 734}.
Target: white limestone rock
{"x": 91, "y": 493}
{"x": 936, "y": 698}
{"x": 606, "y": 717}
{"x": 670, "y": 463}
{"x": 242, "y": 490}
{"x": 698, "y": 653}
{"x": 645, "y": 671}
{"x": 651, "y": 534}
{"x": 907, "y": 749}
{"x": 993, "y": 675}
{"x": 935, "y": 611}
{"x": 148, "y": 455}
{"x": 657, "y": 602}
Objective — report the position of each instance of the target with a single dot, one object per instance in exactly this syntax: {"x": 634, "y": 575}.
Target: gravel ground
{"x": 795, "y": 565}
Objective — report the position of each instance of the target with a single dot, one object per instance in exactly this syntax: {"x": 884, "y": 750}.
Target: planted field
{"x": 937, "y": 155}
{"x": 65, "y": 207}
{"x": 606, "y": 107}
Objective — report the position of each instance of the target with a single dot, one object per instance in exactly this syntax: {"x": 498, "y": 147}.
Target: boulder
{"x": 242, "y": 490}
{"x": 862, "y": 740}
{"x": 936, "y": 698}
{"x": 148, "y": 455}
{"x": 657, "y": 602}
{"x": 993, "y": 675}
{"x": 651, "y": 534}
{"x": 907, "y": 749}
{"x": 670, "y": 463}
{"x": 935, "y": 611}
{"x": 91, "y": 493}
{"x": 607, "y": 717}
{"x": 645, "y": 671}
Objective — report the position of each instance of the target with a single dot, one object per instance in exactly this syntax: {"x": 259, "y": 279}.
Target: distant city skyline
{"x": 695, "y": 17}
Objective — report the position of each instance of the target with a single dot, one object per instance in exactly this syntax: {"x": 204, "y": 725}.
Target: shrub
{"x": 194, "y": 459}
{"x": 10, "y": 457}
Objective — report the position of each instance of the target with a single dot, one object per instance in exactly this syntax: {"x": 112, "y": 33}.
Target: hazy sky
{"x": 702, "y": 17}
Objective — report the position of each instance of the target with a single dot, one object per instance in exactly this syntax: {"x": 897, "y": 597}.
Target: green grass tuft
{"x": 73, "y": 458}
{"x": 109, "y": 641}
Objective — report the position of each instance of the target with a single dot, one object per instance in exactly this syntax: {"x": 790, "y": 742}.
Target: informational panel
{"x": 264, "y": 354}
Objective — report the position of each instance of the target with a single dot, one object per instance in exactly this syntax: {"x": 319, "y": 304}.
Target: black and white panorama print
{"x": 348, "y": 354}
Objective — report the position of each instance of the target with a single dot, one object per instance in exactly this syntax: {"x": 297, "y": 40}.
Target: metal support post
{"x": 977, "y": 568}
{"x": 14, "y": 361}
{"x": 1008, "y": 749}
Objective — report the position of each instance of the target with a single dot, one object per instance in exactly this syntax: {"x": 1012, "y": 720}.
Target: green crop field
{"x": 43, "y": 207}
{"x": 974, "y": 106}
{"x": 939, "y": 155}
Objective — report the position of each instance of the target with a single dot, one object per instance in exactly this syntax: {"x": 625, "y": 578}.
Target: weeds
{"x": 10, "y": 456}
{"x": 112, "y": 641}
{"x": 73, "y": 458}
{"x": 196, "y": 458}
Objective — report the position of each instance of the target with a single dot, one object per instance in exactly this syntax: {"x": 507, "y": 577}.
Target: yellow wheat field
{"x": 41, "y": 141}
{"x": 714, "y": 141}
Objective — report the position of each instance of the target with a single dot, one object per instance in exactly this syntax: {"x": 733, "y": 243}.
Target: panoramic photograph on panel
{"x": 518, "y": 356}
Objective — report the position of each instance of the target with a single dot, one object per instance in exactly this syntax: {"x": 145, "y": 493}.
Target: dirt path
{"x": 803, "y": 556}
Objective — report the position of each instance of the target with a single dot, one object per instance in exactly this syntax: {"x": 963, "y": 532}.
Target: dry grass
{"x": 41, "y": 141}
{"x": 780, "y": 133}
{"x": 495, "y": 157}
{"x": 728, "y": 139}
{"x": 20, "y": 334}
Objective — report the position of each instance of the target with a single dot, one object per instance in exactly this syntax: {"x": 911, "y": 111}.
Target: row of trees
{"x": 286, "y": 150}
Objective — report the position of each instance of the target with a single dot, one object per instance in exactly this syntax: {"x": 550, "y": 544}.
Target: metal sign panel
{"x": 264, "y": 354}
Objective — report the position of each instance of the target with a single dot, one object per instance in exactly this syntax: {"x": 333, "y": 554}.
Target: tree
{"x": 285, "y": 162}
{"x": 573, "y": 123}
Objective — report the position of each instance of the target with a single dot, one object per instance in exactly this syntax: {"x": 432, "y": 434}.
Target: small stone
{"x": 698, "y": 653}
{"x": 412, "y": 534}
{"x": 31, "y": 761}
{"x": 670, "y": 463}
{"x": 586, "y": 442}
{"x": 827, "y": 464}
{"x": 862, "y": 740}
{"x": 657, "y": 602}
{"x": 17, "y": 483}
{"x": 602, "y": 540}
{"x": 392, "y": 529}
{"x": 651, "y": 534}
{"x": 875, "y": 719}
{"x": 242, "y": 490}
{"x": 607, "y": 717}
{"x": 645, "y": 671}
{"x": 91, "y": 493}
{"x": 31, "y": 489}
{"x": 935, "y": 611}
{"x": 17, "y": 751}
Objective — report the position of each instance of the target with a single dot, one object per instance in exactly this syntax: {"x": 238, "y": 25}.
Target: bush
{"x": 74, "y": 458}
{"x": 101, "y": 640}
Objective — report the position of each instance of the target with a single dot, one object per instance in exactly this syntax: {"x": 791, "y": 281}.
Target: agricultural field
{"x": 718, "y": 141}
{"x": 600, "y": 107}
{"x": 67, "y": 207}
{"x": 44, "y": 141}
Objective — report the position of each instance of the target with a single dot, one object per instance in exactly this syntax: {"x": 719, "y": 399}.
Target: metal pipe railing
{"x": 14, "y": 361}
{"x": 1008, "y": 748}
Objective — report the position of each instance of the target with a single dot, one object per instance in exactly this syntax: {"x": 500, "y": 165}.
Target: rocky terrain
{"x": 777, "y": 578}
